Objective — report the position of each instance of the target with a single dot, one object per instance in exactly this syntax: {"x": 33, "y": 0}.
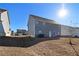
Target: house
{"x": 4, "y": 23}
{"x": 49, "y": 28}
{"x": 38, "y": 25}
{"x": 21, "y": 32}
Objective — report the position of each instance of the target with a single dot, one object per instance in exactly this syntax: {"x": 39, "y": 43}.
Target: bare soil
{"x": 58, "y": 47}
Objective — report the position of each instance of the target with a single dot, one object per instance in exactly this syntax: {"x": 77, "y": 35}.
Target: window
{"x": 50, "y": 34}
{"x": 43, "y": 23}
{"x": 40, "y": 32}
{"x": 58, "y": 33}
{"x": 37, "y": 22}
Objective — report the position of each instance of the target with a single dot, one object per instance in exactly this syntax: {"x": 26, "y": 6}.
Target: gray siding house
{"x": 49, "y": 28}
{"x": 38, "y": 25}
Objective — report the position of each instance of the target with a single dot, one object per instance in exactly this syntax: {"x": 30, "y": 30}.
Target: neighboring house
{"x": 13, "y": 33}
{"x": 4, "y": 23}
{"x": 21, "y": 32}
{"x": 49, "y": 28}
{"x": 38, "y": 25}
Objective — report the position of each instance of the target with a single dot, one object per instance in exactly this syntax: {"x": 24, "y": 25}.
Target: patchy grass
{"x": 60, "y": 47}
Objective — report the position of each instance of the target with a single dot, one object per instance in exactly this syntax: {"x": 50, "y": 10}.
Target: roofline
{"x": 45, "y": 19}
{"x": 41, "y": 17}
{"x": 2, "y": 10}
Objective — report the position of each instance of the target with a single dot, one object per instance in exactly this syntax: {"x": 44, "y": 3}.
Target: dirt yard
{"x": 58, "y": 47}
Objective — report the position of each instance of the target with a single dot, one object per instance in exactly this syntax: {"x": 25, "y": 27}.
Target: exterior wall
{"x": 38, "y": 25}
{"x": 34, "y": 28}
{"x": 76, "y": 32}
{"x": 47, "y": 27}
{"x": 49, "y": 30}
{"x": 66, "y": 30}
{"x": 31, "y": 26}
{"x": 5, "y": 23}
{"x": 2, "y": 33}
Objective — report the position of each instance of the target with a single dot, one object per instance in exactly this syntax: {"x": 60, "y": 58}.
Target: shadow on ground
{"x": 22, "y": 41}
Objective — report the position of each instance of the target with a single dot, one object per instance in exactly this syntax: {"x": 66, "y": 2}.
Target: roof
{"x": 2, "y": 10}
{"x": 44, "y": 19}
{"x": 51, "y": 21}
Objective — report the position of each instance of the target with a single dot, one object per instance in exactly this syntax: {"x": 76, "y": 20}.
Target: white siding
{"x": 31, "y": 26}
{"x": 65, "y": 31}
{"x": 76, "y": 32}
{"x": 5, "y": 23}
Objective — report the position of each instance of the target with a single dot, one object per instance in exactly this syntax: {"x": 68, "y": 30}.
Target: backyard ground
{"x": 58, "y": 47}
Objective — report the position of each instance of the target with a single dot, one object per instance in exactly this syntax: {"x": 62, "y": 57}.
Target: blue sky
{"x": 19, "y": 13}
